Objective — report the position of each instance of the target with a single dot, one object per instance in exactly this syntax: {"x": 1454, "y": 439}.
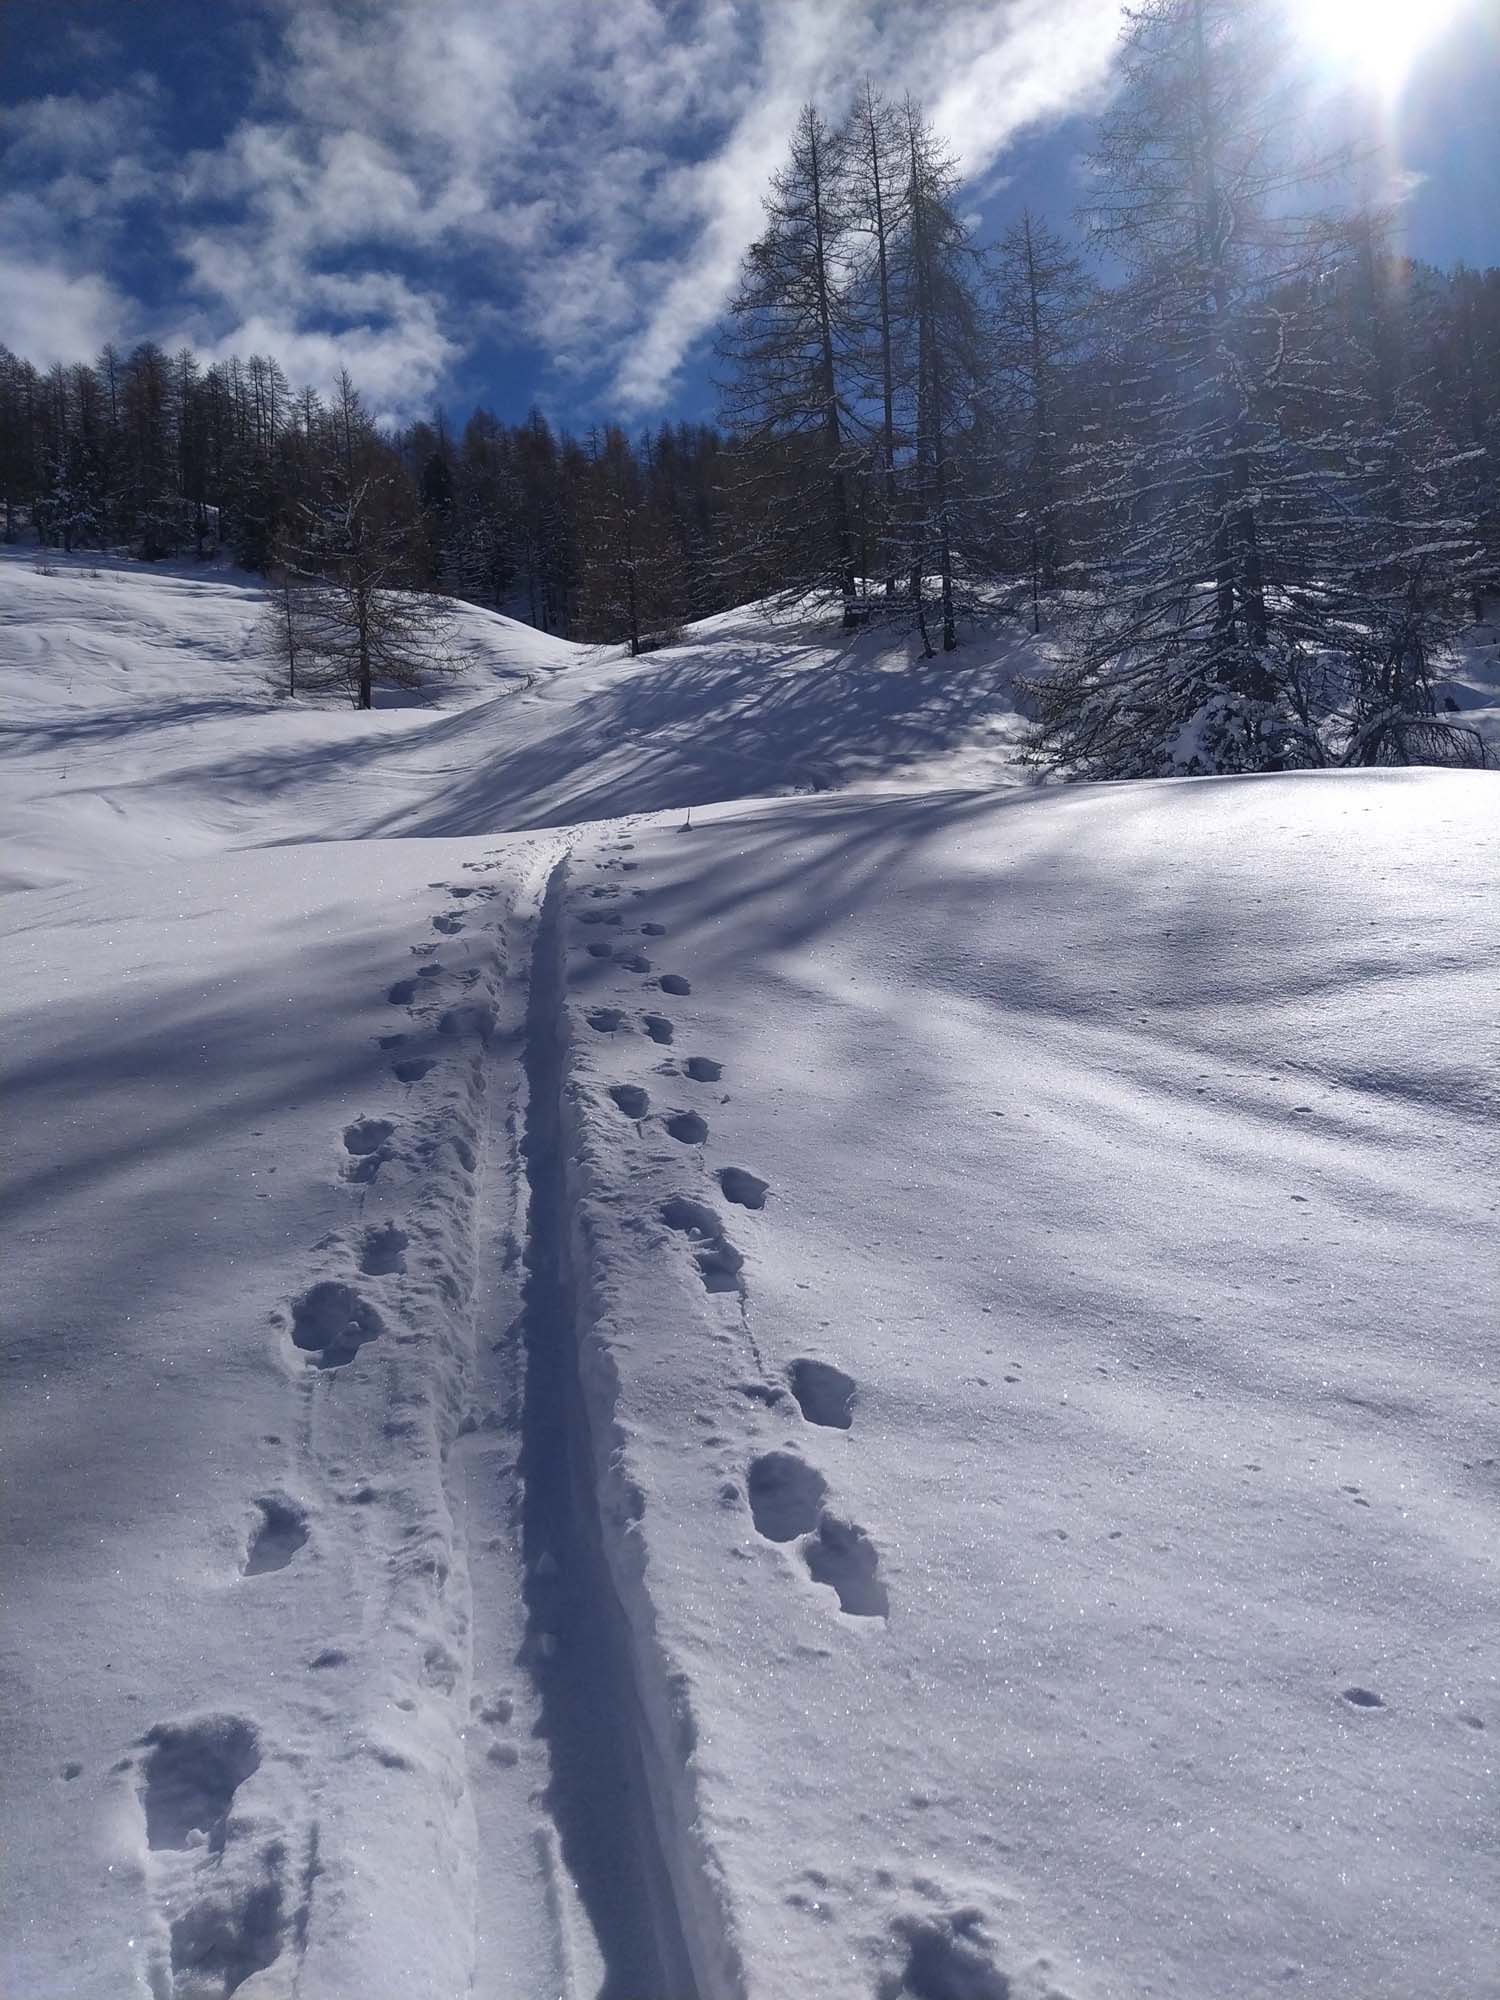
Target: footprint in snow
{"x": 716, "y": 1257}
{"x": 191, "y": 1776}
{"x": 402, "y": 993}
{"x": 659, "y": 1028}
{"x": 786, "y": 1495}
{"x": 600, "y": 951}
{"x": 842, "y": 1555}
{"x": 786, "y": 1504}
{"x": 703, "y": 1069}
{"x": 633, "y": 961}
{"x": 367, "y": 1143}
{"x": 632, "y": 1100}
{"x": 280, "y": 1532}
{"x": 367, "y": 1135}
{"x": 654, "y": 930}
{"x": 449, "y": 925}
{"x": 825, "y": 1394}
{"x": 474, "y": 1017}
{"x": 947, "y": 1958}
{"x": 673, "y": 982}
{"x": 441, "y": 1668}
{"x": 411, "y": 1069}
{"x": 331, "y": 1321}
{"x": 382, "y": 1253}
{"x": 745, "y": 1188}
{"x": 687, "y": 1127}
{"x": 235, "y": 1929}
{"x": 604, "y": 1020}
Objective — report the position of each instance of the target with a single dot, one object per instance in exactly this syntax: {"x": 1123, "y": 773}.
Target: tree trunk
{"x": 887, "y": 367}
{"x": 1042, "y": 529}
{"x": 362, "y": 614}
{"x": 843, "y": 541}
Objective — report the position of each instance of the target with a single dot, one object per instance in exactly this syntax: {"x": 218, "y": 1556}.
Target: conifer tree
{"x": 786, "y": 349}
{"x": 1243, "y": 548}
{"x": 1041, "y": 294}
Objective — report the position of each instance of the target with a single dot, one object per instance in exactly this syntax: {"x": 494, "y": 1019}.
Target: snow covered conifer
{"x": 1201, "y": 505}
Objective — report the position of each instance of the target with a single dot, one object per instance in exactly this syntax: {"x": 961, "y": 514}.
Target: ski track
{"x": 446, "y": 1485}
{"x": 452, "y": 1445}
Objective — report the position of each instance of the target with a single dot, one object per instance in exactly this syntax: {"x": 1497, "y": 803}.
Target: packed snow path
{"x": 886, "y": 1398}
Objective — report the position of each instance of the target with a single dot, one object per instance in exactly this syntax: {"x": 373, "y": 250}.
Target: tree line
{"x": 164, "y": 456}
{"x": 1242, "y": 461}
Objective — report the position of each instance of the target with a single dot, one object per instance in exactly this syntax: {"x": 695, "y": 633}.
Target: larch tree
{"x": 879, "y": 185}
{"x": 944, "y": 365}
{"x": 1041, "y": 295}
{"x": 1256, "y": 560}
{"x": 356, "y": 614}
{"x": 785, "y": 346}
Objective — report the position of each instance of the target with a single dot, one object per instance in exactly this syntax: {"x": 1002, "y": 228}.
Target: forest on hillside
{"x": 1238, "y": 451}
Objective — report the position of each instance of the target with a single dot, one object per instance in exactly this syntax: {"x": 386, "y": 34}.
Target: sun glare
{"x": 1370, "y": 43}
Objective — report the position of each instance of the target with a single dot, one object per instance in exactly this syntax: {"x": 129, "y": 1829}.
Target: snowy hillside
{"x": 888, "y": 1394}
{"x": 140, "y": 720}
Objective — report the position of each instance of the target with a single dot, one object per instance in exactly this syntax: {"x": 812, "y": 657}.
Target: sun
{"x": 1370, "y": 43}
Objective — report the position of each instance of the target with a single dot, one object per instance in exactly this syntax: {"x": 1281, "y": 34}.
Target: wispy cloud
{"x": 410, "y": 172}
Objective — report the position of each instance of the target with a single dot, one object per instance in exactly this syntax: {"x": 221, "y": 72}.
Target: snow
{"x": 886, "y": 1394}
{"x": 1134, "y": 1172}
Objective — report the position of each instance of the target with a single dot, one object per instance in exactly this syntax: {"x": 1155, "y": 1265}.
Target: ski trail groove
{"x": 578, "y": 1638}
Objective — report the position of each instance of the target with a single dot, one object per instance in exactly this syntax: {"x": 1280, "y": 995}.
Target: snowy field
{"x": 887, "y": 1394}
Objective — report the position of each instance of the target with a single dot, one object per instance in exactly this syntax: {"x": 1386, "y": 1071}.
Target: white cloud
{"x": 78, "y": 130}
{"x": 594, "y": 172}
{"x": 48, "y": 314}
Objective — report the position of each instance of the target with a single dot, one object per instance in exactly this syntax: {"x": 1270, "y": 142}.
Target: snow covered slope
{"x": 888, "y": 1396}
{"x": 139, "y": 722}
{"x": 1047, "y": 1251}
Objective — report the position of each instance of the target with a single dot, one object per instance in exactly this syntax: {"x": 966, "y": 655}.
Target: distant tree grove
{"x": 1242, "y": 464}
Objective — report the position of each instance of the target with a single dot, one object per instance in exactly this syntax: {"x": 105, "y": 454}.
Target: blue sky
{"x": 508, "y": 200}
